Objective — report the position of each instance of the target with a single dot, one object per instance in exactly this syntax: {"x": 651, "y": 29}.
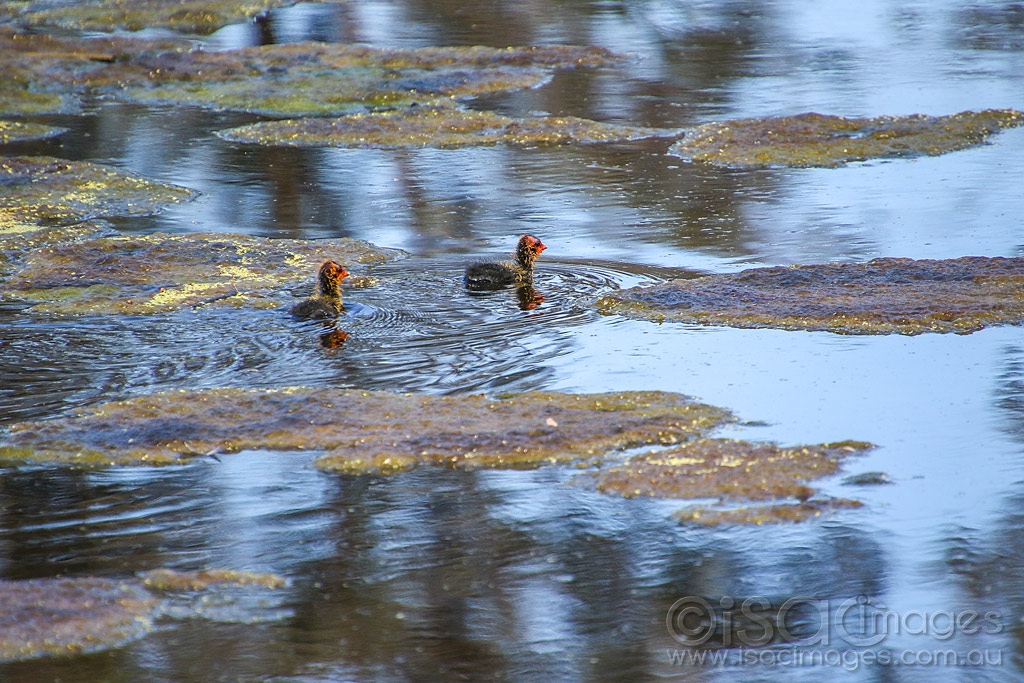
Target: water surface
{"x": 443, "y": 575}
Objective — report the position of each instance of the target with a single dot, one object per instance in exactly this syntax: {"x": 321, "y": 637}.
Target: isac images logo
{"x": 805, "y": 631}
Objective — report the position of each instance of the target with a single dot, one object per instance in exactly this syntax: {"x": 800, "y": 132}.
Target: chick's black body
{"x": 326, "y": 299}
{"x": 518, "y": 272}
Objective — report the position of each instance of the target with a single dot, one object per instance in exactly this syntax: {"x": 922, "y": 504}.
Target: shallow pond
{"x": 440, "y": 574}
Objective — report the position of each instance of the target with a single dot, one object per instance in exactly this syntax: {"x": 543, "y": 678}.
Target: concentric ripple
{"x": 428, "y": 333}
{"x": 417, "y": 330}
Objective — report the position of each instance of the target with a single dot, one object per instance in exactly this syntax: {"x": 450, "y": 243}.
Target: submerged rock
{"x": 759, "y": 515}
{"x": 830, "y": 141}
{"x": 48, "y": 74}
{"x": 314, "y": 79}
{"x": 187, "y": 16}
{"x": 434, "y": 127}
{"x": 24, "y": 131}
{"x": 44, "y": 74}
{"x": 882, "y": 296}
{"x": 733, "y": 472}
{"x": 146, "y": 274}
{"x": 867, "y": 479}
{"x": 362, "y": 431}
{"x": 172, "y": 580}
{"x": 727, "y": 469}
{"x": 71, "y": 616}
{"x": 44, "y": 191}
{"x": 68, "y": 616}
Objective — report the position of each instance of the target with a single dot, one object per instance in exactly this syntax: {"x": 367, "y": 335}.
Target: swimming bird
{"x": 326, "y": 299}
{"x": 518, "y": 272}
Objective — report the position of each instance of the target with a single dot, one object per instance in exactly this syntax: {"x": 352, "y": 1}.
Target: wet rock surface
{"x": 187, "y": 16}
{"x": 829, "y": 141}
{"x": 45, "y": 191}
{"x": 71, "y": 616}
{"x": 882, "y": 296}
{"x": 51, "y": 75}
{"x": 156, "y": 273}
{"x": 361, "y": 431}
{"x": 435, "y": 127}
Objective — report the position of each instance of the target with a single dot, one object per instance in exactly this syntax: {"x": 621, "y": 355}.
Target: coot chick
{"x": 488, "y": 276}
{"x": 326, "y": 300}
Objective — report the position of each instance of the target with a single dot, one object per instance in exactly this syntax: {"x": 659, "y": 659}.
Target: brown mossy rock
{"x": 72, "y": 616}
{"x": 25, "y": 131}
{"x": 45, "y": 74}
{"x": 882, "y": 296}
{"x": 69, "y": 616}
{"x": 362, "y": 431}
{"x": 315, "y": 79}
{"x": 444, "y": 127}
{"x": 172, "y": 580}
{"x": 45, "y": 191}
{"x": 186, "y": 16}
{"x": 50, "y": 75}
{"x": 156, "y": 273}
{"x": 727, "y": 469}
{"x": 14, "y": 245}
{"x": 829, "y": 141}
{"x": 761, "y": 515}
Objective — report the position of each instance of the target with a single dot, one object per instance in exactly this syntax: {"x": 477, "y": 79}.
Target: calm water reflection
{"x": 438, "y": 575}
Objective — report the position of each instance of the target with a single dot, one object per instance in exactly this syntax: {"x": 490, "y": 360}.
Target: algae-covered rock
{"x": 830, "y": 141}
{"x": 882, "y": 296}
{"x": 44, "y": 191}
{"x": 434, "y": 127}
{"x": 759, "y": 515}
{"x": 728, "y": 469}
{"x": 45, "y": 74}
{"x": 867, "y": 479}
{"x": 48, "y": 74}
{"x": 71, "y": 616}
{"x": 362, "y": 431}
{"x": 187, "y": 16}
{"x": 145, "y": 274}
{"x": 66, "y": 616}
{"x": 25, "y": 131}
{"x": 313, "y": 79}
{"x": 14, "y": 245}
{"x": 733, "y": 471}
{"x": 171, "y": 580}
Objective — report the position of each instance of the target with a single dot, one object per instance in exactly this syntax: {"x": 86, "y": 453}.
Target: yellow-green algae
{"x": 829, "y": 141}
{"x": 727, "y": 469}
{"x": 362, "y": 431}
{"x": 299, "y": 79}
{"x": 434, "y": 127}
{"x": 25, "y": 131}
{"x": 155, "y": 273}
{"x": 44, "y": 191}
{"x": 882, "y": 296}
{"x": 171, "y": 580}
{"x": 187, "y": 16}
{"x": 759, "y": 515}
{"x": 71, "y": 616}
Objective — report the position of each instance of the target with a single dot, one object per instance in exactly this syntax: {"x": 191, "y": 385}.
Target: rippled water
{"x": 442, "y": 575}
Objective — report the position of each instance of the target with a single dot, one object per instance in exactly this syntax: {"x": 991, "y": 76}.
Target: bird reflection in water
{"x": 334, "y": 339}
{"x": 529, "y": 298}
